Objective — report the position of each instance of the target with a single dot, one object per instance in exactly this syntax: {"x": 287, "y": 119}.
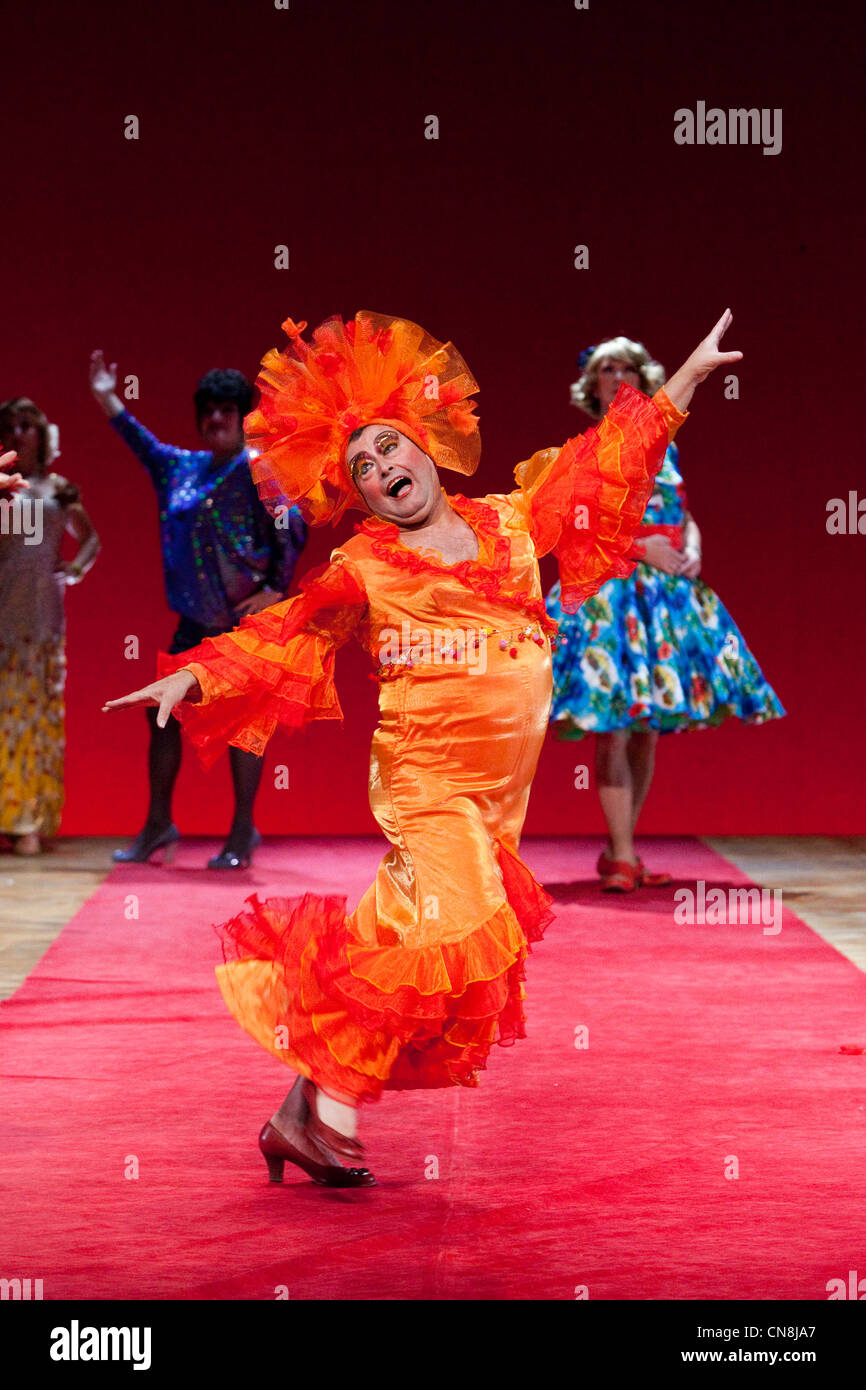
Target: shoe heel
{"x": 168, "y": 852}
{"x": 275, "y": 1166}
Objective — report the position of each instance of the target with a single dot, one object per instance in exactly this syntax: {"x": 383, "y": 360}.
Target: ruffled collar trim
{"x": 484, "y": 575}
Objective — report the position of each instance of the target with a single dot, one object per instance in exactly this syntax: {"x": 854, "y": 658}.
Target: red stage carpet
{"x": 711, "y": 1049}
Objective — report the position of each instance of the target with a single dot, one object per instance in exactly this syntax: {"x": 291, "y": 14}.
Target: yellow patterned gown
{"x": 32, "y": 665}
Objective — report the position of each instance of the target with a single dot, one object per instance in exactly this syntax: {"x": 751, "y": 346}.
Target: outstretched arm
{"x": 159, "y": 459}
{"x": 276, "y": 668}
{"x": 680, "y": 389}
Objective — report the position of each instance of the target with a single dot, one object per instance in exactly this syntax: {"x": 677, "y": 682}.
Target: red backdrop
{"x": 305, "y": 126}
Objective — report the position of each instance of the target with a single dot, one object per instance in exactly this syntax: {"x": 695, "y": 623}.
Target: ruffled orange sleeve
{"x": 586, "y": 500}
{"x": 277, "y": 667}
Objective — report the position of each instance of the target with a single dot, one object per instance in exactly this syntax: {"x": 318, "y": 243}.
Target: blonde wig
{"x": 584, "y": 391}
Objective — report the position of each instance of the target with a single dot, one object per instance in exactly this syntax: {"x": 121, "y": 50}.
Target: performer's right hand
{"x": 102, "y": 378}
{"x": 170, "y": 691}
{"x": 10, "y": 481}
{"x": 103, "y": 384}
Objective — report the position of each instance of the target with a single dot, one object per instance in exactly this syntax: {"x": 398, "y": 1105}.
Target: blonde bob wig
{"x": 584, "y": 391}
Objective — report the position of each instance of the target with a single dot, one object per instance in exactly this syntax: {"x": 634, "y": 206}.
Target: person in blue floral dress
{"x": 656, "y": 652}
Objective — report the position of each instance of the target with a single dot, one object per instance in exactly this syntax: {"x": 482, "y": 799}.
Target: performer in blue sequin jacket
{"x": 223, "y": 558}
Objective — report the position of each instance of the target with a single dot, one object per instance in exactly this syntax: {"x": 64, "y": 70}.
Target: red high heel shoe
{"x": 313, "y": 1146}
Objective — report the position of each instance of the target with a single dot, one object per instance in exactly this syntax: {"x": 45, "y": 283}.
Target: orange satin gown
{"x": 414, "y": 986}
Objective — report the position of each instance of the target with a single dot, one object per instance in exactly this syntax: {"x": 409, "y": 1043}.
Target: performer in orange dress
{"x": 414, "y": 986}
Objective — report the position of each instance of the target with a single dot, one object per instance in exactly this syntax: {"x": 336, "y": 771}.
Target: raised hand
{"x": 170, "y": 691}
{"x": 697, "y": 367}
{"x": 707, "y": 355}
{"x": 103, "y": 379}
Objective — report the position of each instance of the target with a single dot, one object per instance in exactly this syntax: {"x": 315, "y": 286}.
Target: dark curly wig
{"x": 221, "y": 386}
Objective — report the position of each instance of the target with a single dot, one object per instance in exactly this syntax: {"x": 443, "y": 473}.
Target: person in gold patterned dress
{"x": 34, "y": 517}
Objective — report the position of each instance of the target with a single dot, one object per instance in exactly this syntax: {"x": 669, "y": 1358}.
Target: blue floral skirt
{"x": 654, "y": 651}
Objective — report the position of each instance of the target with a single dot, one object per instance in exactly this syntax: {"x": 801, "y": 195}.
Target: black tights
{"x": 163, "y": 765}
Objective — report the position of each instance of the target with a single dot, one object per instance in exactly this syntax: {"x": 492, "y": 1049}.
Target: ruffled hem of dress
{"x": 358, "y": 1019}
{"x": 567, "y": 729}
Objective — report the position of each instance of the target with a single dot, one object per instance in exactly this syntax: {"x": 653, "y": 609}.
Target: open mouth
{"x": 400, "y": 486}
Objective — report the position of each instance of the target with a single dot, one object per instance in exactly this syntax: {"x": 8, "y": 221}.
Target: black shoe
{"x": 230, "y": 859}
{"x": 144, "y": 845}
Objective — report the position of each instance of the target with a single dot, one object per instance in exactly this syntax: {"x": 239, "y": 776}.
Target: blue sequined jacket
{"x": 219, "y": 544}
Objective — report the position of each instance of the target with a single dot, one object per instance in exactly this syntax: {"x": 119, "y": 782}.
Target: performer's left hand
{"x": 705, "y": 358}
{"x": 70, "y": 571}
{"x": 263, "y": 598}
{"x": 690, "y": 564}
{"x": 707, "y": 355}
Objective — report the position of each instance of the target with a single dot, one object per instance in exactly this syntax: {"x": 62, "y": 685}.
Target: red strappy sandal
{"x": 643, "y": 878}
{"x": 617, "y": 875}
{"x": 647, "y": 879}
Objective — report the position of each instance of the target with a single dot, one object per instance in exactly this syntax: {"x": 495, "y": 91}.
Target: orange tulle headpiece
{"x": 376, "y": 369}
